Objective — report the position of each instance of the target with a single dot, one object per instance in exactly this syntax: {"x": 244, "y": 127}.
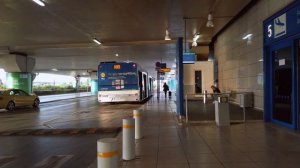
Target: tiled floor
{"x": 167, "y": 144}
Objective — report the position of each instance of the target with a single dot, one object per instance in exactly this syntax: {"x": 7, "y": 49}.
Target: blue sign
{"x": 189, "y": 58}
{"x": 283, "y": 24}
{"x": 117, "y": 76}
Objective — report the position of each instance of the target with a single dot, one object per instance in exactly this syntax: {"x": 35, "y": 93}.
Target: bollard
{"x": 107, "y": 153}
{"x": 205, "y": 97}
{"x": 138, "y": 124}
{"x": 128, "y": 139}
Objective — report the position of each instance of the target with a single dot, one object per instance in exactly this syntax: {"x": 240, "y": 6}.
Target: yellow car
{"x": 12, "y": 98}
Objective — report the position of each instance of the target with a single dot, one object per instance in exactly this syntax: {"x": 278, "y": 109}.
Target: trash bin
{"x": 246, "y": 99}
{"x": 222, "y": 111}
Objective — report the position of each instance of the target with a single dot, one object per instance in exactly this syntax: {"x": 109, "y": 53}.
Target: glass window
{"x": 22, "y": 93}
{"x": 17, "y": 93}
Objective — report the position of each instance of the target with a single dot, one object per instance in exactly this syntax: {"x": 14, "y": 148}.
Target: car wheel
{"x": 10, "y": 106}
{"x": 36, "y": 103}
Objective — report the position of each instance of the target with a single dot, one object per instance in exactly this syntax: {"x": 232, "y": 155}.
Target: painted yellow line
{"x": 136, "y": 115}
{"x": 128, "y": 126}
{"x": 107, "y": 154}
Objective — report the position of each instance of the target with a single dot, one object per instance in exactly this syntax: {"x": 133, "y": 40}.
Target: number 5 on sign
{"x": 270, "y": 31}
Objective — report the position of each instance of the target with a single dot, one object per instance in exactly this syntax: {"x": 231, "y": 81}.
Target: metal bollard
{"x": 128, "y": 139}
{"x": 107, "y": 153}
{"x": 138, "y": 124}
{"x": 205, "y": 97}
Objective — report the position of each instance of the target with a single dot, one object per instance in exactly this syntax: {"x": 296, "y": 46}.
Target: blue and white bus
{"x": 123, "y": 82}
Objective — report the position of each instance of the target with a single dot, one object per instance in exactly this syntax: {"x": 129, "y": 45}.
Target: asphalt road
{"x": 55, "y": 149}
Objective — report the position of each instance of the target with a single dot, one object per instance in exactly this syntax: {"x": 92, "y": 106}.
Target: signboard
{"x": 163, "y": 65}
{"x": 165, "y": 70}
{"x": 117, "y": 67}
{"x": 189, "y": 58}
{"x": 283, "y": 24}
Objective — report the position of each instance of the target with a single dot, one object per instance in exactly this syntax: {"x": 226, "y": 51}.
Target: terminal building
{"x": 212, "y": 83}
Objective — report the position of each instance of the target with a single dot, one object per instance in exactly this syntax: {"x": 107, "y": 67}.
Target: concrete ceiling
{"x": 60, "y": 34}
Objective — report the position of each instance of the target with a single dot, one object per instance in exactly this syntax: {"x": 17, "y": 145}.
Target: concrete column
{"x": 19, "y": 67}
{"x": 77, "y": 86}
{"x": 94, "y": 87}
{"x": 19, "y": 80}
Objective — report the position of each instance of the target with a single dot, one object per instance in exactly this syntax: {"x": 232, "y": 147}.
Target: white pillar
{"x": 138, "y": 124}
{"x": 107, "y": 153}
{"x": 128, "y": 139}
{"x": 205, "y": 97}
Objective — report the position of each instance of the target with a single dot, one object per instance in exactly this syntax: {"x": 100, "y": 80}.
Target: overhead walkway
{"x": 50, "y": 98}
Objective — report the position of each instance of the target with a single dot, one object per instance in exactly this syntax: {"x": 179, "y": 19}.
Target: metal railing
{"x": 205, "y": 101}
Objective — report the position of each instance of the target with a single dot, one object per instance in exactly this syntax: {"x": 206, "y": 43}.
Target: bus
{"x": 123, "y": 82}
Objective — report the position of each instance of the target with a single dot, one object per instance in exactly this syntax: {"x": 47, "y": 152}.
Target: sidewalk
{"x": 252, "y": 145}
{"x": 50, "y": 98}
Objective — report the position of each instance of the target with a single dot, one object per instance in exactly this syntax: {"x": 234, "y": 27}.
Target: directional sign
{"x": 165, "y": 70}
{"x": 283, "y": 24}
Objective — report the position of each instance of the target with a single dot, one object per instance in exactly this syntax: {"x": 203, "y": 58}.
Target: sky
{"x": 48, "y": 78}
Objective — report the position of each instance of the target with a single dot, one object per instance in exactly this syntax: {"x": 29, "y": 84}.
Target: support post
{"x": 128, "y": 139}
{"x": 107, "y": 153}
{"x": 138, "y": 124}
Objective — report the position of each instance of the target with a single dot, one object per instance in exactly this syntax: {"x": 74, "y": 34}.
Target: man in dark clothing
{"x": 166, "y": 89}
{"x": 215, "y": 89}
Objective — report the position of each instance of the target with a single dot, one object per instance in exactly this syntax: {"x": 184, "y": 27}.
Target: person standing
{"x": 166, "y": 88}
{"x": 215, "y": 89}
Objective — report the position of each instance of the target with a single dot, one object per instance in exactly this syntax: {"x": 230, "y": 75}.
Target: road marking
{"x": 5, "y": 160}
{"x": 55, "y": 161}
{"x": 91, "y": 131}
{"x": 46, "y": 123}
{"x": 52, "y": 107}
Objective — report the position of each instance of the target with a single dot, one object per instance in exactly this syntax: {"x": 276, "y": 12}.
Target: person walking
{"x": 166, "y": 88}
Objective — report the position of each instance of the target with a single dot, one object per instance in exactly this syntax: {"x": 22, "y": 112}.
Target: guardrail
{"x": 192, "y": 103}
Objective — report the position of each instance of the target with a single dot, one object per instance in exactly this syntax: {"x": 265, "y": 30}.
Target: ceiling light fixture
{"x": 196, "y": 36}
{"x": 97, "y": 41}
{"x": 39, "y": 2}
{"x": 54, "y": 69}
{"x": 117, "y": 55}
{"x": 209, "y": 21}
{"x": 195, "y": 39}
{"x": 167, "y": 37}
{"x": 248, "y": 36}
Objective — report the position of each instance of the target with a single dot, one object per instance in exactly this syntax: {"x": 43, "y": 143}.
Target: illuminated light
{"x": 54, "y": 69}
{"x": 134, "y": 65}
{"x": 209, "y": 21}
{"x": 196, "y": 37}
{"x": 39, "y": 2}
{"x": 248, "y": 36}
{"x": 97, "y": 41}
{"x": 261, "y": 60}
{"x": 117, "y": 55}
{"x": 167, "y": 37}
{"x": 117, "y": 67}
